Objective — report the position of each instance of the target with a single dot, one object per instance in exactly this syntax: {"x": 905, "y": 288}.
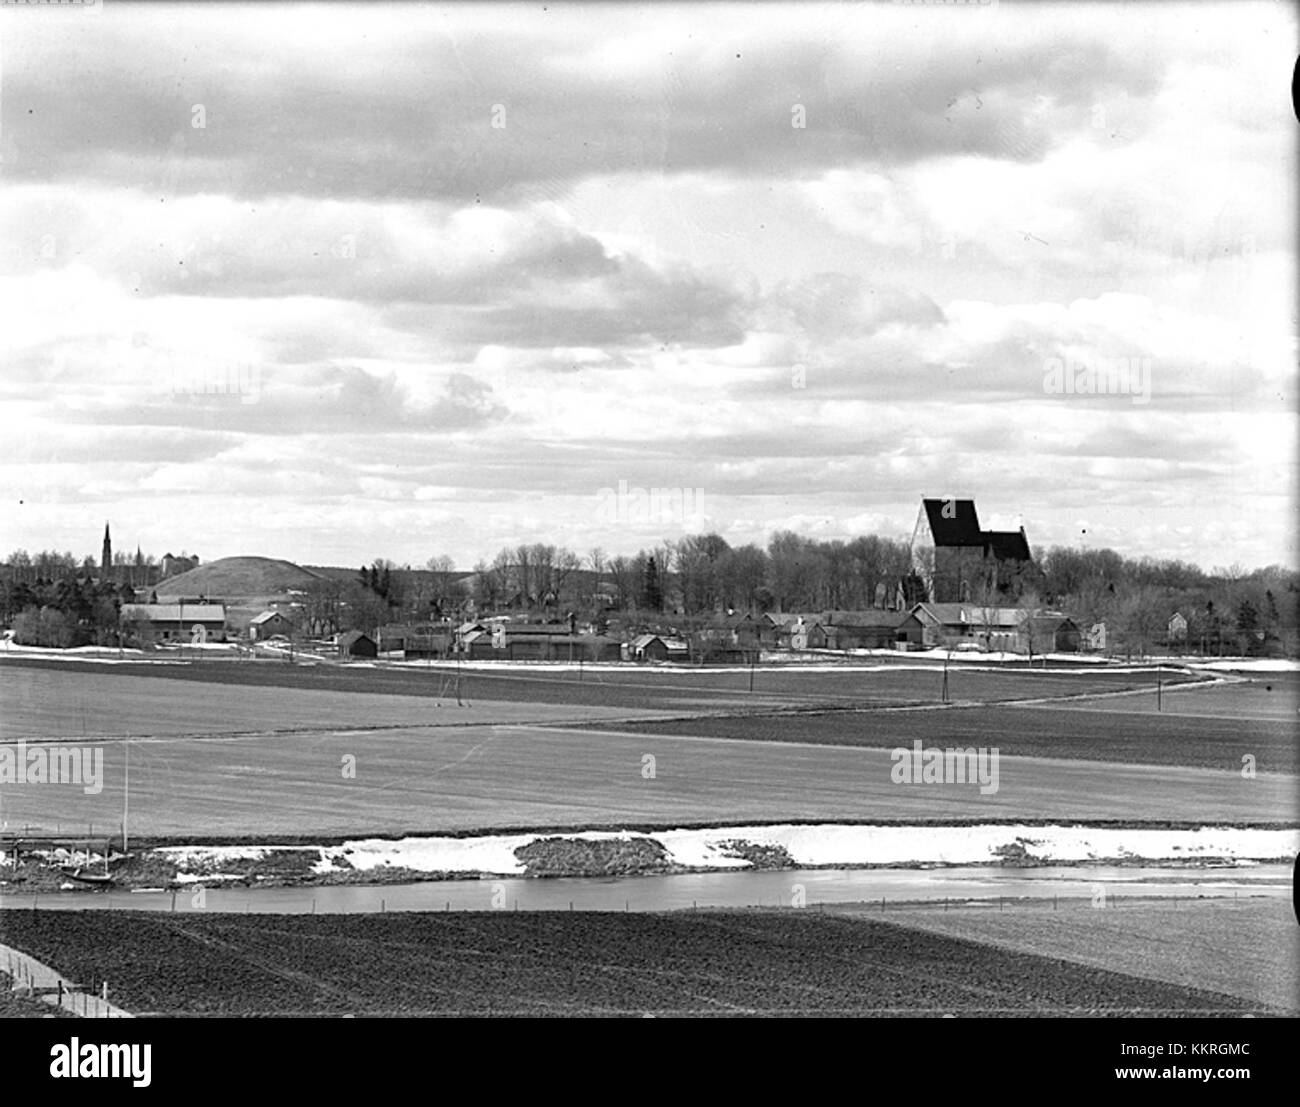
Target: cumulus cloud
{"x": 451, "y": 276}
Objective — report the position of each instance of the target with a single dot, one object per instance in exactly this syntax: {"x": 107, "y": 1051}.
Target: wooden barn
{"x": 267, "y": 624}
{"x": 355, "y": 643}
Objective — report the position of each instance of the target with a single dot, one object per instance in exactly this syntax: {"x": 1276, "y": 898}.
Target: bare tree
{"x": 565, "y": 565}
{"x": 626, "y": 573}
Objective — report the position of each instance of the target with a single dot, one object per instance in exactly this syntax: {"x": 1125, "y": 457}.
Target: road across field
{"x": 422, "y": 780}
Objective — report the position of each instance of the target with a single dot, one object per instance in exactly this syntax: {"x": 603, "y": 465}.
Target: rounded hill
{"x": 236, "y": 577}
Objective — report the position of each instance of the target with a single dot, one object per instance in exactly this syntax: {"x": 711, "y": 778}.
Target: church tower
{"x": 106, "y": 559}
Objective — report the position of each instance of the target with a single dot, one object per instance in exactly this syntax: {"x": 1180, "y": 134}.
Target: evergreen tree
{"x": 652, "y": 594}
{"x": 1247, "y": 617}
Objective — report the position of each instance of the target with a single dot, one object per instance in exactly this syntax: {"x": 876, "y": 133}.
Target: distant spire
{"x": 106, "y": 558}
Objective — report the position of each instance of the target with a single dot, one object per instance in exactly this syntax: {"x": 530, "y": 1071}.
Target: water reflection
{"x": 790, "y": 888}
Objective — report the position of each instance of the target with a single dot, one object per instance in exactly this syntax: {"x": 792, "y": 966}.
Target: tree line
{"x": 1228, "y": 610}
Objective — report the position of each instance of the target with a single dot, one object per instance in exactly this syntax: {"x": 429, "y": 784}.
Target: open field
{"x": 678, "y": 691}
{"x": 1276, "y": 696}
{"x": 1234, "y": 718}
{"x": 560, "y": 963}
{"x": 239, "y": 761}
{"x": 1248, "y": 948}
{"x": 40, "y": 703}
{"x": 1051, "y": 731}
{"x": 469, "y": 778}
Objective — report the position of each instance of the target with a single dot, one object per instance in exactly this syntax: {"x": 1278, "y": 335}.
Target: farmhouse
{"x": 1002, "y": 629}
{"x": 861, "y": 630}
{"x": 536, "y": 642}
{"x": 176, "y": 622}
{"x": 733, "y": 629}
{"x": 801, "y": 632}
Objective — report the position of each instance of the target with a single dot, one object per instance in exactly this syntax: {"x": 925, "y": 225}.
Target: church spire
{"x": 106, "y": 559}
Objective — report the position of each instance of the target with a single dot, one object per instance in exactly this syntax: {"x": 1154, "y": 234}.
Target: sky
{"x": 333, "y": 283}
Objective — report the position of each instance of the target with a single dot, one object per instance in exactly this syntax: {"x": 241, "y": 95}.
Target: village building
{"x": 802, "y": 632}
{"x": 195, "y": 623}
{"x": 267, "y": 624}
{"x": 356, "y": 643}
{"x": 995, "y": 629}
{"x": 655, "y": 647}
{"x": 873, "y": 629}
{"x": 954, "y": 560}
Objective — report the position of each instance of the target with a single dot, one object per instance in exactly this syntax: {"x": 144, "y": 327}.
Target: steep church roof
{"x": 953, "y": 522}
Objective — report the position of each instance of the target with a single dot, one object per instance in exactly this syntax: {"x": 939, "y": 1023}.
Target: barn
{"x": 192, "y": 623}
{"x": 873, "y": 629}
{"x": 801, "y": 632}
{"x": 267, "y": 623}
{"x": 1001, "y": 629}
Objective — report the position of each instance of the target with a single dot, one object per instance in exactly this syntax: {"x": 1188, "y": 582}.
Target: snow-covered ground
{"x": 816, "y": 845}
{"x": 1248, "y": 665}
{"x": 107, "y": 655}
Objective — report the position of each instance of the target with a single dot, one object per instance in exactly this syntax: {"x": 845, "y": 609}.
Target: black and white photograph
{"x": 634, "y": 510}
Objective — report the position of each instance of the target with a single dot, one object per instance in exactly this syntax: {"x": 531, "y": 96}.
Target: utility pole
{"x": 126, "y": 794}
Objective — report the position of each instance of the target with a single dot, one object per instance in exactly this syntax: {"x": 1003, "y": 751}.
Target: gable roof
{"x": 1052, "y": 620}
{"x": 529, "y": 630}
{"x": 960, "y": 526}
{"x": 267, "y": 616}
{"x": 871, "y": 617}
{"x": 175, "y": 612}
{"x": 354, "y": 636}
{"x": 730, "y": 622}
{"x": 1007, "y": 545}
{"x": 968, "y": 614}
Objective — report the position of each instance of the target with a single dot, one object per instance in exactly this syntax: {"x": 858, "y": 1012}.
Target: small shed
{"x": 355, "y": 643}
{"x": 268, "y": 623}
{"x": 649, "y": 647}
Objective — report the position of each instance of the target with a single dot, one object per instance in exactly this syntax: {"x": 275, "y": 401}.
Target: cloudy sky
{"x": 331, "y": 284}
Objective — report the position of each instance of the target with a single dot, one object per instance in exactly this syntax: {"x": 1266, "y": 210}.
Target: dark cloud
{"x": 423, "y": 128}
